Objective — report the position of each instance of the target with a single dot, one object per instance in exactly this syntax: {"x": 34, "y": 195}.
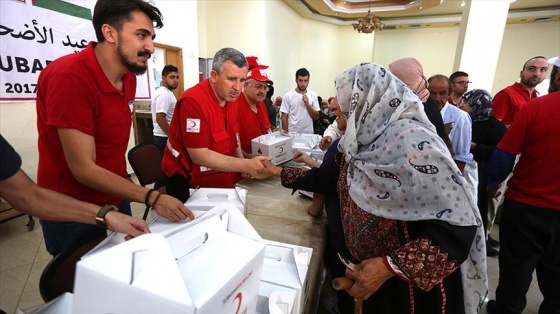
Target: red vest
{"x": 176, "y": 159}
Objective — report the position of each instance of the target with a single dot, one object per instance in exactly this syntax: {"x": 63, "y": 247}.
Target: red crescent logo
{"x": 192, "y": 124}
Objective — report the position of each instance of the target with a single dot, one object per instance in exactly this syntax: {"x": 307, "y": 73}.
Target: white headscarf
{"x": 399, "y": 168}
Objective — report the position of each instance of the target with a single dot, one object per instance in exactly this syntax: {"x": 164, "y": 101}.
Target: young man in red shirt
{"x": 83, "y": 118}
{"x": 204, "y": 148}
{"x": 511, "y": 99}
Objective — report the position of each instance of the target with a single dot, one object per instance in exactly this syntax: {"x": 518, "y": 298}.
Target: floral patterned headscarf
{"x": 399, "y": 168}
{"x": 480, "y": 102}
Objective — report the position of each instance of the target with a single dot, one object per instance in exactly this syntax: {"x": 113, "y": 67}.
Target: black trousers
{"x": 529, "y": 240}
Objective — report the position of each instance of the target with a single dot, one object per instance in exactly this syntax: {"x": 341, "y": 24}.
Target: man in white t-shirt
{"x": 163, "y": 105}
{"x": 300, "y": 106}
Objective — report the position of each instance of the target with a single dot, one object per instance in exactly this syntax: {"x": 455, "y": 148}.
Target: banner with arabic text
{"x": 33, "y": 33}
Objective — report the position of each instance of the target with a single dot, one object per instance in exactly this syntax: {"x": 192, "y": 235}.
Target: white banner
{"x": 35, "y": 32}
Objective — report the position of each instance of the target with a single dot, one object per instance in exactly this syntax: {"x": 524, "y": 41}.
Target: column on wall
{"x": 480, "y": 37}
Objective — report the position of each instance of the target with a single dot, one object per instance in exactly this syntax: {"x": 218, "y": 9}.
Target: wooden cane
{"x": 343, "y": 283}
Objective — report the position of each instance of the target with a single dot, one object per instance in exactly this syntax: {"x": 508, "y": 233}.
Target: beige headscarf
{"x": 399, "y": 168}
{"x": 410, "y": 71}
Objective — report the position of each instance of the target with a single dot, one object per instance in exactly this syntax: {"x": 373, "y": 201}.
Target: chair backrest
{"x": 145, "y": 160}
{"x": 58, "y": 276}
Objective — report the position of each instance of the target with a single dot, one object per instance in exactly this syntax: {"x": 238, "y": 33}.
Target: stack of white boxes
{"x": 210, "y": 265}
{"x": 308, "y": 143}
{"x": 284, "y": 278}
{"x": 216, "y": 263}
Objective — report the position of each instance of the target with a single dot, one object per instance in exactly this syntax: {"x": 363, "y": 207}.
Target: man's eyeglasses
{"x": 259, "y": 86}
{"x": 463, "y": 82}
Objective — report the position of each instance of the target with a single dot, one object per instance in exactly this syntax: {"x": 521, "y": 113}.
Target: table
{"x": 278, "y": 215}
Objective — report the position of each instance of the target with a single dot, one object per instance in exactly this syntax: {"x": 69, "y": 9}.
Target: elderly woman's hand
{"x": 368, "y": 277}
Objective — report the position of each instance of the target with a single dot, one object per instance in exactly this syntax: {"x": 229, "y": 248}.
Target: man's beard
{"x": 134, "y": 67}
{"x": 530, "y": 83}
{"x": 170, "y": 87}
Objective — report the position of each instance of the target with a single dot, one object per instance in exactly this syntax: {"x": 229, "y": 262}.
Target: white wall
{"x": 522, "y": 42}
{"x": 281, "y": 39}
{"x": 433, "y": 47}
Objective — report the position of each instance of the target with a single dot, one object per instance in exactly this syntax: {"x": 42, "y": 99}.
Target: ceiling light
{"x": 368, "y": 23}
{"x": 462, "y": 3}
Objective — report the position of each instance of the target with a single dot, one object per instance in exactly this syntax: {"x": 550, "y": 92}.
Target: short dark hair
{"x": 533, "y": 58}
{"x": 457, "y": 74}
{"x": 117, "y": 12}
{"x": 228, "y": 54}
{"x": 168, "y": 69}
{"x": 302, "y": 72}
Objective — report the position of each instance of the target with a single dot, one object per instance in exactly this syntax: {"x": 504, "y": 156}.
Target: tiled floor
{"x": 23, "y": 258}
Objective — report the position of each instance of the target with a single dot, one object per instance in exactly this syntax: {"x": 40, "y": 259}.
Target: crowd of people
{"x": 414, "y": 171}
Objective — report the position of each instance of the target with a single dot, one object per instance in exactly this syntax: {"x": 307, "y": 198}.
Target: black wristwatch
{"x": 100, "y": 217}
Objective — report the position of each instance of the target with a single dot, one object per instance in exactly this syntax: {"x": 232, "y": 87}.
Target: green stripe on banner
{"x": 64, "y": 7}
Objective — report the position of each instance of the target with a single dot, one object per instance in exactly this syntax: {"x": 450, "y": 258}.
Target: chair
{"x": 145, "y": 160}
{"x": 58, "y": 276}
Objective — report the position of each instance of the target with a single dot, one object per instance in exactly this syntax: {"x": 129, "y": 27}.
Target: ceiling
{"x": 401, "y": 14}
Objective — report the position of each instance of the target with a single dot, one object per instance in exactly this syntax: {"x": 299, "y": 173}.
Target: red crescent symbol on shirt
{"x": 192, "y": 124}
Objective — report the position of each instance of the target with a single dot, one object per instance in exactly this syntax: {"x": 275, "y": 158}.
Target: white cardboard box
{"x": 285, "y": 269}
{"x": 274, "y": 299}
{"x": 275, "y": 145}
{"x": 60, "y": 305}
{"x": 204, "y": 199}
{"x": 308, "y": 143}
{"x": 210, "y": 265}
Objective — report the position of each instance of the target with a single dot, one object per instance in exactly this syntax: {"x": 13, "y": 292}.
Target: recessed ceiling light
{"x": 419, "y": 8}
{"x": 462, "y": 3}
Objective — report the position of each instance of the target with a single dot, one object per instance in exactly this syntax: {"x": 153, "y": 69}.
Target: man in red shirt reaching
{"x": 83, "y": 119}
{"x": 203, "y": 148}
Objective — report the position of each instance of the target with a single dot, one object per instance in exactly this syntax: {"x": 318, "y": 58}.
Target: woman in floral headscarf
{"x": 409, "y": 223}
{"x": 487, "y": 132}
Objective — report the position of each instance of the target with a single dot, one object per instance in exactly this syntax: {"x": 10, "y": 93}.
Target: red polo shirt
{"x": 509, "y": 101}
{"x": 73, "y": 92}
{"x": 535, "y": 134}
{"x": 251, "y": 124}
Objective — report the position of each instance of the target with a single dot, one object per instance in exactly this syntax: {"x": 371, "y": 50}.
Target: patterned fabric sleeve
{"x": 320, "y": 180}
{"x": 291, "y": 175}
{"x": 423, "y": 263}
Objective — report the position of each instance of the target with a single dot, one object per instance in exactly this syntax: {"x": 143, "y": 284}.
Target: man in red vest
{"x": 203, "y": 148}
